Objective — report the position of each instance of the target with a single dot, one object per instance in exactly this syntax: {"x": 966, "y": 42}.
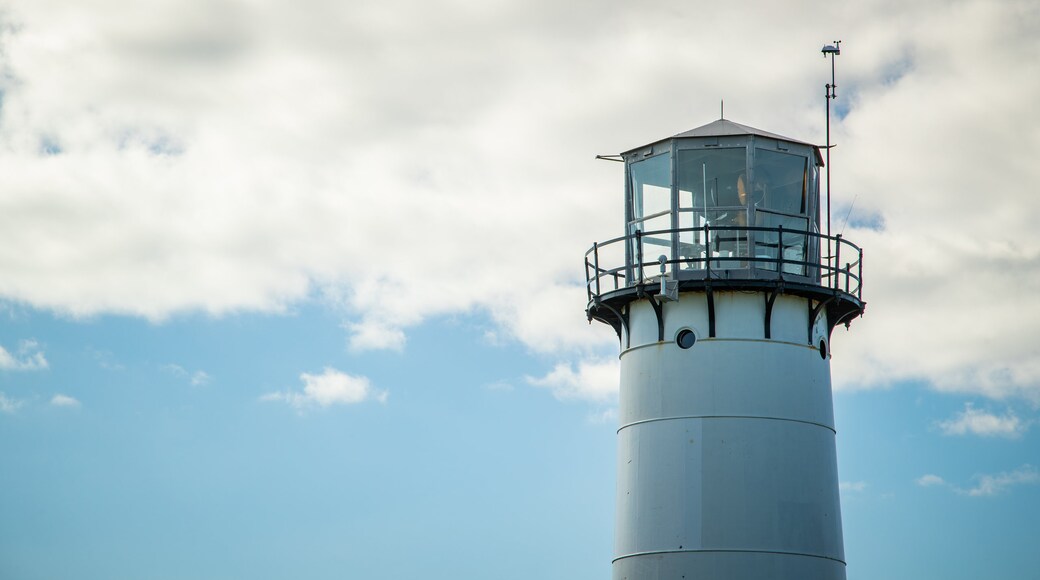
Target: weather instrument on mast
{"x": 831, "y": 50}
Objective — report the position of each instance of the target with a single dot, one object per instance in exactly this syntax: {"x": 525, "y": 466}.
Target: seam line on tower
{"x": 779, "y": 552}
{"x": 656, "y": 419}
{"x": 710, "y": 340}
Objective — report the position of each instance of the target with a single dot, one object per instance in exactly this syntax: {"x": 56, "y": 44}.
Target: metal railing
{"x": 703, "y": 259}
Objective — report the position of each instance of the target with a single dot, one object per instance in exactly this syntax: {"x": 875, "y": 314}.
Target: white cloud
{"x": 106, "y": 360}
{"x": 930, "y": 480}
{"x": 375, "y": 335}
{"x": 918, "y": 150}
{"x": 988, "y": 484}
{"x": 492, "y": 338}
{"x": 606, "y": 415}
{"x": 501, "y": 385}
{"x": 28, "y": 357}
{"x": 331, "y": 387}
{"x": 978, "y": 422}
{"x": 9, "y": 405}
{"x": 852, "y": 486}
{"x": 594, "y": 380}
{"x": 60, "y": 400}
{"x": 196, "y": 379}
{"x": 225, "y": 157}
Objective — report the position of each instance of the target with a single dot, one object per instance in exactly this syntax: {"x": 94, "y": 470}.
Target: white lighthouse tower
{"x": 723, "y": 293}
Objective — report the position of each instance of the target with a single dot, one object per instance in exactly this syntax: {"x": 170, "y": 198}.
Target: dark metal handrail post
{"x": 707, "y": 252}
{"x": 780, "y": 250}
{"x": 595, "y": 265}
{"x": 588, "y": 281}
{"x": 859, "y": 282}
{"x": 835, "y": 266}
{"x": 639, "y": 254}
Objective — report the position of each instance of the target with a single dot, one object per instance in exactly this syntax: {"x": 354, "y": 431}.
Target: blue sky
{"x": 295, "y": 290}
{"x": 152, "y": 476}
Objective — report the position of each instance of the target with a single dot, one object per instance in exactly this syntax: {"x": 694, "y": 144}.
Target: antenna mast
{"x": 833, "y": 50}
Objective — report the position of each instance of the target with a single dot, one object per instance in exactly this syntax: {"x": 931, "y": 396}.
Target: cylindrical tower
{"x": 723, "y": 293}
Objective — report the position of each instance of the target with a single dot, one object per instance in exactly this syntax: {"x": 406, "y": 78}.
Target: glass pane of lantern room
{"x": 780, "y": 182}
{"x": 651, "y": 199}
{"x": 780, "y": 195}
{"x": 708, "y": 196}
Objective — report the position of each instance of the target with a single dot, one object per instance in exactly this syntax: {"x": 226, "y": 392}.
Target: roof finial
{"x": 722, "y": 109}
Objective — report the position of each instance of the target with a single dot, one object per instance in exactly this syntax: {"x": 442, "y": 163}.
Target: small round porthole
{"x": 686, "y": 338}
{"x": 823, "y": 349}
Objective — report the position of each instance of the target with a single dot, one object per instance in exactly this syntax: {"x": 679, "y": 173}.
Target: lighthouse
{"x": 724, "y": 292}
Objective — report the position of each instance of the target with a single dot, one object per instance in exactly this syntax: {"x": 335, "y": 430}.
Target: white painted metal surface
{"x": 726, "y": 453}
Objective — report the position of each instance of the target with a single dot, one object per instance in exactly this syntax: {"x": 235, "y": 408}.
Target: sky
{"x": 295, "y": 289}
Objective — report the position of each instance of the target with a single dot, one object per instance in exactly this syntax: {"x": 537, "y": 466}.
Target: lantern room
{"x": 724, "y": 207}
{"x": 723, "y": 197}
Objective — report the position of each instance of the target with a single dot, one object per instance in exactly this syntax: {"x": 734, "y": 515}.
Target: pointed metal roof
{"x": 726, "y": 128}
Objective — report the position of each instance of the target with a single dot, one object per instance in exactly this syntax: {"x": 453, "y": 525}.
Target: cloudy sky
{"x": 295, "y": 289}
